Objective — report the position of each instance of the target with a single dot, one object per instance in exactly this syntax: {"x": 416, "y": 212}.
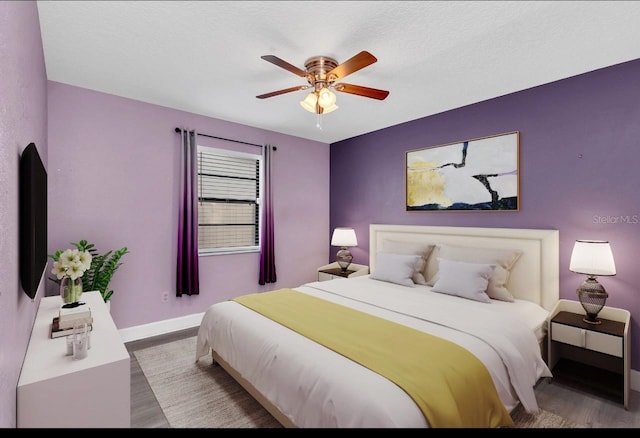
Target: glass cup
{"x": 69, "y": 345}
{"x": 80, "y": 341}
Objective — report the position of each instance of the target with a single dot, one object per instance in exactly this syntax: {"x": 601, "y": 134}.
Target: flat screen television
{"x": 33, "y": 219}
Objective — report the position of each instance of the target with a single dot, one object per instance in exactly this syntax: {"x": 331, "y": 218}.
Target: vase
{"x": 70, "y": 291}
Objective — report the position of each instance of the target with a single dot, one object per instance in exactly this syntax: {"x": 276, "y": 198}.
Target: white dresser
{"x": 56, "y": 391}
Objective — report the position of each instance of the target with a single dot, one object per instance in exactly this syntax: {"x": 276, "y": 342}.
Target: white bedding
{"x": 315, "y": 387}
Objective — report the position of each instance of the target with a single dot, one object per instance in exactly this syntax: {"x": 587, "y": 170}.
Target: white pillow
{"x": 504, "y": 259}
{"x": 395, "y": 268}
{"x": 466, "y": 280}
{"x": 411, "y": 248}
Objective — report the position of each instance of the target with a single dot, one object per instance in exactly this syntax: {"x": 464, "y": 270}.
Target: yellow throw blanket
{"x": 449, "y": 384}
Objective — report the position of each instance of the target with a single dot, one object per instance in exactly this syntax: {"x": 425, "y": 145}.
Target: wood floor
{"x": 145, "y": 410}
{"x": 577, "y": 404}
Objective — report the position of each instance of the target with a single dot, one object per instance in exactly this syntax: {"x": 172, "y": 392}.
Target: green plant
{"x": 102, "y": 268}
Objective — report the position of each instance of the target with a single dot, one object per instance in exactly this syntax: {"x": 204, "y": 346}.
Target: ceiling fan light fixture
{"x": 326, "y": 99}
{"x": 327, "y": 110}
{"x": 309, "y": 102}
{"x": 321, "y": 72}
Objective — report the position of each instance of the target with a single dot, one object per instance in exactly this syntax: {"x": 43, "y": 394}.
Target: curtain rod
{"x": 227, "y": 139}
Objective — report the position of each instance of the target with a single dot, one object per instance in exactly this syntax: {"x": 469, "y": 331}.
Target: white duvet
{"x": 315, "y": 387}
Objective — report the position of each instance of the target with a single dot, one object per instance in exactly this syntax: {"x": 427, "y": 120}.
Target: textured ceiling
{"x": 204, "y": 56}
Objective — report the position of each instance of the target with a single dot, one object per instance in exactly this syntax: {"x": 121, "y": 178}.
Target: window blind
{"x": 228, "y": 200}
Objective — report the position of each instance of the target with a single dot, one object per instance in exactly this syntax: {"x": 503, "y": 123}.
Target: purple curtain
{"x": 267, "y": 251}
{"x": 187, "y": 275}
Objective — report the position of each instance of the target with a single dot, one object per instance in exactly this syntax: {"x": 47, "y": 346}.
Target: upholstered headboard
{"x": 534, "y": 277}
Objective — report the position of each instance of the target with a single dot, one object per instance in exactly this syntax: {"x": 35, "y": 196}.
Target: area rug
{"x": 198, "y": 395}
{"x": 541, "y": 420}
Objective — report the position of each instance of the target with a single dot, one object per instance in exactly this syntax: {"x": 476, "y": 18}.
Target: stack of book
{"x": 62, "y": 325}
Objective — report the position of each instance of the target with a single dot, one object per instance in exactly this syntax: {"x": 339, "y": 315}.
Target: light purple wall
{"x": 23, "y": 119}
{"x": 113, "y": 163}
{"x": 579, "y": 155}
{"x": 114, "y": 166}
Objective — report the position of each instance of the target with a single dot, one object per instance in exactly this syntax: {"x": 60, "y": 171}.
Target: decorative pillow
{"x": 411, "y": 248}
{"x": 395, "y": 268}
{"x": 431, "y": 268}
{"x": 466, "y": 280}
{"x": 504, "y": 259}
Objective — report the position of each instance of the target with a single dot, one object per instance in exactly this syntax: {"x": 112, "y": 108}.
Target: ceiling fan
{"x": 322, "y": 73}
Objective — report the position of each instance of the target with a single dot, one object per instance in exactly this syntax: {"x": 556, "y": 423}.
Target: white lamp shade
{"x": 343, "y": 236}
{"x": 330, "y": 109}
{"x": 309, "y": 102}
{"x": 592, "y": 257}
{"x": 326, "y": 98}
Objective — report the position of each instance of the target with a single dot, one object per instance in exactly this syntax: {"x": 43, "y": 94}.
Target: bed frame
{"x": 535, "y": 277}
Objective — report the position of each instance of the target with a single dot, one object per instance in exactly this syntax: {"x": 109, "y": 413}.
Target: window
{"x": 228, "y": 201}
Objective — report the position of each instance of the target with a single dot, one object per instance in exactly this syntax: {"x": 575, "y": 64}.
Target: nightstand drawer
{"x": 590, "y": 340}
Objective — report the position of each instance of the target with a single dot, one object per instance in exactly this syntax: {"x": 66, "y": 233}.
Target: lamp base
{"x": 344, "y": 257}
{"x": 588, "y": 321}
{"x": 593, "y": 297}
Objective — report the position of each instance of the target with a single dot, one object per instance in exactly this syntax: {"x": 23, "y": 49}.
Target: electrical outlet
{"x": 165, "y": 297}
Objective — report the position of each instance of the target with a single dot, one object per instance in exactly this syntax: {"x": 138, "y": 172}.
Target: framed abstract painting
{"x": 472, "y": 175}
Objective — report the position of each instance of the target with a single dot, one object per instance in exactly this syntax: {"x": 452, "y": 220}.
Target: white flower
{"x": 58, "y": 270}
{"x": 75, "y": 270}
{"x": 68, "y": 256}
{"x": 71, "y": 263}
{"x": 84, "y": 257}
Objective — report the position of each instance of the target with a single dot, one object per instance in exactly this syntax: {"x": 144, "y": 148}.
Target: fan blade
{"x": 358, "y": 62}
{"x": 286, "y": 90}
{"x": 373, "y": 93}
{"x": 284, "y": 64}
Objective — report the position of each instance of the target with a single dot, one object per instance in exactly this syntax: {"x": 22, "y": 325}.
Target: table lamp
{"x": 344, "y": 237}
{"x": 592, "y": 258}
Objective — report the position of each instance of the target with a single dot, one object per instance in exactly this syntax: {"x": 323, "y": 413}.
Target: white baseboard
{"x": 190, "y": 321}
{"x": 161, "y": 327}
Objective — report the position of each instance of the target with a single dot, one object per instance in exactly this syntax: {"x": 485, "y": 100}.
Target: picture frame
{"x": 481, "y": 174}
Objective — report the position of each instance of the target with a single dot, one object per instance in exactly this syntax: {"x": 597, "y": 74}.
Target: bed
{"x": 314, "y": 383}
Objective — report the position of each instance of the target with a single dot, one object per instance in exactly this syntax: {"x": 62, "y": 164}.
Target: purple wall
{"x": 114, "y": 167}
{"x": 579, "y": 155}
{"x": 112, "y": 179}
{"x": 23, "y": 119}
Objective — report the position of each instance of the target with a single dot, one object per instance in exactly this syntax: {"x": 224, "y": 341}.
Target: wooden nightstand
{"x": 333, "y": 271}
{"x": 590, "y": 355}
